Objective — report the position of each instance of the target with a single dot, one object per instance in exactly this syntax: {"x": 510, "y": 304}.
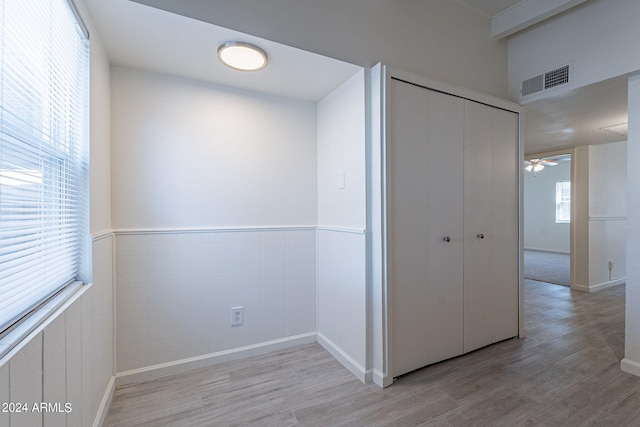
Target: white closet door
{"x": 424, "y": 196}
{"x": 504, "y": 227}
{"x": 490, "y": 225}
{"x": 445, "y": 220}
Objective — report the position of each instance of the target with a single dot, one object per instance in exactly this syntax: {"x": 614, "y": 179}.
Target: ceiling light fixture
{"x": 242, "y": 56}
{"x": 534, "y": 166}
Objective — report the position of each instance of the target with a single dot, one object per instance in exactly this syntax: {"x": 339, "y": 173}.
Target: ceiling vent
{"x": 542, "y": 82}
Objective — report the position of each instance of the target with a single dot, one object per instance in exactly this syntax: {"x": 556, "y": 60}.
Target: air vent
{"x": 556, "y": 77}
{"x": 550, "y": 79}
{"x": 533, "y": 85}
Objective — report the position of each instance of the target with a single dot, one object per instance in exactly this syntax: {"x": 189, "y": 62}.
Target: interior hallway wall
{"x": 342, "y": 267}
{"x": 607, "y": 214}
{"x": 631, "y": 361}
{"x": 597, "y": 38}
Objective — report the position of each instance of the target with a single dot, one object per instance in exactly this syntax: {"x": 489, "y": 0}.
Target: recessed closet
{"x": 451, "y": 221}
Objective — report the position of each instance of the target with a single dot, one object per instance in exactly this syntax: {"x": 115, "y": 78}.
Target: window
{"x": 43, "y": 153}
{"x": 563, "y": 202}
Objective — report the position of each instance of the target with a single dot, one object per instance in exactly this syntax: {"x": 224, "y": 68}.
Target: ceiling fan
{"x": 536, "y": 165}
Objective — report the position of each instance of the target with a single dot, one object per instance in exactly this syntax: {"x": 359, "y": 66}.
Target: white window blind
{"x": 44, "y": 96}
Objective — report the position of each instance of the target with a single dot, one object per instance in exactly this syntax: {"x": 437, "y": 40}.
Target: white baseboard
{"x": 105, "y": 404}
{"x": 354, "y": 367}
{"x": 631, "y": 367}
{"x": 553, "y": 251}
{"x": 599, "y": 286}
{"x": 154, "y": 372}
{"x": 381, "y": 379}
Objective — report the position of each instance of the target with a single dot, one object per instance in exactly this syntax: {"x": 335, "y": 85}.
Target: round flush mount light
{"x": 242, "y": 56}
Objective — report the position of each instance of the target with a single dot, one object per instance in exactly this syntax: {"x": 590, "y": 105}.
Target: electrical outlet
{"x": 237, "y": 316}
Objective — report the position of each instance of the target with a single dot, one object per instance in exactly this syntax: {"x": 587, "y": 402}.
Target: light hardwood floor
{"x": 565, "y": 373}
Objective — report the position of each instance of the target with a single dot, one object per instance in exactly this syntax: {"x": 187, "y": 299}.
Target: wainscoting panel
{"x": 175, "y": 290}
{"x": 68, "y": 359}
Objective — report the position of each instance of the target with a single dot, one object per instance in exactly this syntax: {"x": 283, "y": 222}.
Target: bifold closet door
{"x": 490, "y": 225}
{"x": 424, "y": 223}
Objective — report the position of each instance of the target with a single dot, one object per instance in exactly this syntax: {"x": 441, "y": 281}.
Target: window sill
{"x": 17, "y": 339}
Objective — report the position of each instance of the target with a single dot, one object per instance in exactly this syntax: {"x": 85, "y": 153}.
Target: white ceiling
{"x": 147, "y": 38}
{"x": 176, "y": 45}
{"x": 576, "y": 117}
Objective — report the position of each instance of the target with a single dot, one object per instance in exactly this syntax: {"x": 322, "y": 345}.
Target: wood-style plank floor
{"x": 565, "y": 373}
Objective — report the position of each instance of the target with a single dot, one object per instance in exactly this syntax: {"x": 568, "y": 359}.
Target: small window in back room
{"x": 563, "y": 201}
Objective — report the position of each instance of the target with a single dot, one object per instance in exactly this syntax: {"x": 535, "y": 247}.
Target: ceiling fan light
{"x": 529, "y": 167}
{"x": 242, "y": 56}
{"x": 538, "y": 167}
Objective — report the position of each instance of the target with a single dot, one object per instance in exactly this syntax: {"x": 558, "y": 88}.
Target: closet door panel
{"x": 452, "y": 225}
{"x": 444, "y": 220}
{"x": 478, "y": 179}
{"x": 406, "y": 216}
{"x": 424, "y": 193}
{"x": 491, "y": 225}
{"x": 504, "y": 285}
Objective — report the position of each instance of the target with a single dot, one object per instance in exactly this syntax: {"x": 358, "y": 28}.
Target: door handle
{"x": 447, "y": 239}
{"x": 481, "y": 236}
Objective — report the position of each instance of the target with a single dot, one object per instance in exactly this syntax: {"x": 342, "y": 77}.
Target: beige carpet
{"x": 547, "y": 267}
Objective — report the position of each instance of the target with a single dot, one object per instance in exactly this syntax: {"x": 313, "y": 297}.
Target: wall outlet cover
{"x": 237, "y": 316}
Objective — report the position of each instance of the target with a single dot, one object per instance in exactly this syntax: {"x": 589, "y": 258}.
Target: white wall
{"x": 607, "y": 213}
{"x": 541, "y": 232}
{"x": 192, "y": 155}
{"x": 214, "y": 206}
{"x": 341, "y": 154}
{"x": 69, "y": 359}
{"x": 442, "y": 39}
{"x": 598, "y": 38}
{"x": 631, "y": 362}
{"x": 342, "y": 281}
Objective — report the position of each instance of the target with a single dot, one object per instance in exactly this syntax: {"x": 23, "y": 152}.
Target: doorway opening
{"x": 547, "y": 218}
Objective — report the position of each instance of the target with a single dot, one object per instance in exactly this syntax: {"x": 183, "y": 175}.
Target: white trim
{"x": 525, "y": 14}
{"x": 381, "y": 379}
{"x": 105, "y": 403}
{"x": 31, "y": 327}
{"x": 629, "y": 366}
{"x": 378, "y": 225}
{"x": 101, "y": 235}
{"x": 347, "y": 361}
{"x": 553, "y": 251}
{"x": 521, "y": 320}
{"x": 133, "y": 231}
{"x": 79, "y": 20}
{"x": 150, "y": 373}
{"x": 607, "y": 218}
{"x": 342, "y": 229}
{"x": 599, "y": 286}
{"x": 439, "y": 86}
